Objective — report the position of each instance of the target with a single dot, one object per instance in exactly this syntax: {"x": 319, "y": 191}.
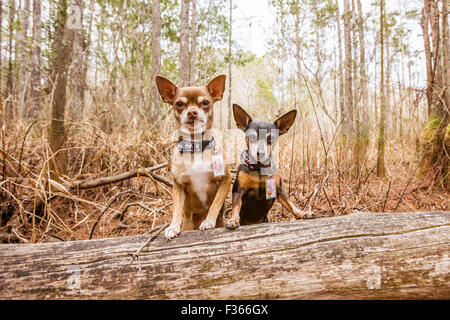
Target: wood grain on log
{"x": 362, "y": 255}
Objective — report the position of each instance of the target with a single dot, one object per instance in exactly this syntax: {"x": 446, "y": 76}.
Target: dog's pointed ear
{"x": 216, "y": 87}
{"x": 166, "y": 89}
{"x": 284, "y": 122}
{"x": 241, "y": 117}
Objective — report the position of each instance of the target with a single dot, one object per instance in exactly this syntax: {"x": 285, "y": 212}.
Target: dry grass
{"x": 93, "y": 153}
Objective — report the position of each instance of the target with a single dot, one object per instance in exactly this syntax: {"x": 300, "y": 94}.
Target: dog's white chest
{"x": 193, "y": 171}
{"x": 199, "y": 178}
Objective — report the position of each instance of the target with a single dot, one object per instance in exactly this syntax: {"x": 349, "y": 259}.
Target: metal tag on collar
{"x": 271, "y": 189}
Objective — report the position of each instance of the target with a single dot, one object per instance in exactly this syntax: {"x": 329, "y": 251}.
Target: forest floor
{"x": 93, "y": 154}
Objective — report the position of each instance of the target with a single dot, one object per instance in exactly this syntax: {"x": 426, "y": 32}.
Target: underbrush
{"x": 35, "y": 209}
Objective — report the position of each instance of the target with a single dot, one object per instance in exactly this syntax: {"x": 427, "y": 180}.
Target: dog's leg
{"x": 178, "y": 200}
{"x": 234, "y": 221}
{"x": 219, "y": 200}
{"x": 220, "y": 219}
{"x": 188, "y": 221}
{"x": 289, "y": 205}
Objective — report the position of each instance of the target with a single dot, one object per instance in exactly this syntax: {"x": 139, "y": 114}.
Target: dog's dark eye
{"x": 179, "y": 104}
{"x": 205, "y": 103}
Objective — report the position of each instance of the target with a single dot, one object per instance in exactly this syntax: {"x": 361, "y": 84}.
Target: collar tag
{"x": 218, "y": 165}
{"x": 271, "y": 189}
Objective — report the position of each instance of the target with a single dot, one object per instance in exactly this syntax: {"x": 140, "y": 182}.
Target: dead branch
{"x": 79, "y": 185}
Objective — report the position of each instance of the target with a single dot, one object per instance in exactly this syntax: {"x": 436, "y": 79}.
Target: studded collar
{"x": 267, "y": 167}
{"x": 185, "y": 146}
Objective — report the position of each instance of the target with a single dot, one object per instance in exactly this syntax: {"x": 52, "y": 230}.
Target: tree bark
{"x": 35, "y": 96}
{"x": 1, "y": 58}
{"x": 381, "y": 167}
{"x": 77, "y": 107}
{"x": 184, "y": 43}
{"x": 364, "y": 123}
{"x": 193, "y": 45}
{"x": 23, "y": 72}
{"x": 230, "y": 64}
{"x": 387, "y": 86}
{"x": 156, "y": 54}
{"x": 10, "y": 105}
{"x": 63, "y": 57}
{"x": 341, "y": 71}
{"x": 435, "y": 141}
{"x": 347, "y": 124}
{"x": 358, "y": 256}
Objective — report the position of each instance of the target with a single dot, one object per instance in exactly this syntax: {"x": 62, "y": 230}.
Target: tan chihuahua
{"x": 201, "y": 177}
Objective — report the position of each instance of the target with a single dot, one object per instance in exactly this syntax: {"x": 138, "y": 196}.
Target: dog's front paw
{"x": 232, "y": 224}
{"x": 207, "y": 224}
{"x": 172, "y": 231}
{"x": 305, "y": 214}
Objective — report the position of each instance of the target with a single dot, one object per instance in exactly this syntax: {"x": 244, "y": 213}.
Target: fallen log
{"x": 361, "y": 256}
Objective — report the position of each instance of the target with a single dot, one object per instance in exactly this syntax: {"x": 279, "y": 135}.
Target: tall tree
{"x": 1, "y": 54}
{"x": 23, "y": 78}
{"x": 62, "y": 59}
{"x": 381, "y": 167}
{"x": 387, "y": 87}
{"x": 77, "y": 107}
{"x": 229, "y": 66}
{"x": 436, "y": 134}
{"x": 193, "y": 45}
{"x": 184, "y": 43}
{"x": 364, "y": 123}
{"x": 156, "y": 53}
{"x": 347, "y": 123}
{"x": 35, "y": 94}
{"x": 341, "y": 71}
{"x": 10, "y": 107}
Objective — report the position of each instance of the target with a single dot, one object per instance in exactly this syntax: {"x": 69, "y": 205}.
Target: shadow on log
{"x": 360, "y": 256}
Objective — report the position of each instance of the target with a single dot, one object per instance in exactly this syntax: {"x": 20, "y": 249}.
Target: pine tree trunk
{"x": 63, "y": 58}
{"x": 35, "y": 103}
{"x": 1, "y": 58}
{"x": 23, "y": 71}
{"x": 156, "y": 54}
{"x": 229, "y": 66}
{"x": 435, "y": 142}
{"x": 184, "y": 43}
{"x": 363, "y": 139}
{"x": 77, "y": 107}
{"x": 446, "y": 61}
{"x": 388, "y": 91}
{"x": 193, "y": 45}
{"x": 11, "y": 104}
{"x": 347, "y": 124}
{"x": 381, "y": 168}
{"x": 87, "y": 49}
{"x": 341, "y": 71}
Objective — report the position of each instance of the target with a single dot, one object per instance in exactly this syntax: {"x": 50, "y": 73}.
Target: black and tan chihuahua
{"x": 257, "y": 182}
